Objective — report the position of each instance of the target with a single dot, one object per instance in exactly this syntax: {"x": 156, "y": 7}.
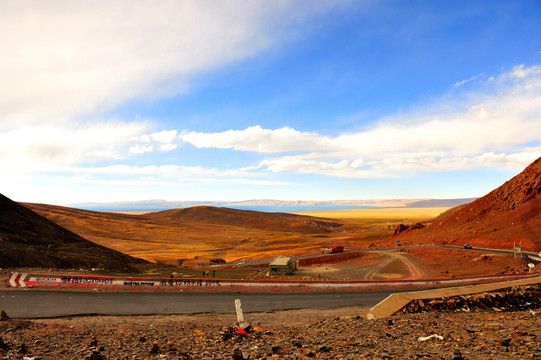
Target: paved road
{"x": 43, "y": 304}
{"x": 297, "y": 257}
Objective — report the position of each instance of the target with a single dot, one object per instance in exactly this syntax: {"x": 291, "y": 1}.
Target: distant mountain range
{"x": 289, "y": 203}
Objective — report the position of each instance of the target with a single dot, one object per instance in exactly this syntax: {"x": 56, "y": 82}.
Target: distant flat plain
{"x": 409, "y": 213}
{"x": 420, "y": 213}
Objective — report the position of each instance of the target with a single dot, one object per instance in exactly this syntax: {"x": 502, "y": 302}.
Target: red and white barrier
{"x": 17, "y": 280}
{"x": 21, "y": 280}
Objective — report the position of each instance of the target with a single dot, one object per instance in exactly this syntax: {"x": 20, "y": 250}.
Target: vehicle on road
{"x": 337, "y": 249}
{"x": 467, "y": 246}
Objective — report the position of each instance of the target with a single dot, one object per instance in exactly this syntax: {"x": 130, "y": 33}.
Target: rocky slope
{"x": 29, "y": 240}
{"x": 511, "y": 213}
{"x": 301, "y": 334}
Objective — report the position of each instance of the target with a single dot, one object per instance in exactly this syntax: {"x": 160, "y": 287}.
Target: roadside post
{"x": 240, "y": 315}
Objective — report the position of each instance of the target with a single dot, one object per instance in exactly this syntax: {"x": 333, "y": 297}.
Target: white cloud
{"x": 462, "y": 82}
{"x": 497, "y": 127}
{"x": 164, "y": 136}
{"x": 256, "y": 139}
{"x": 491, "y": 128}
{"x": 35, "y": 148}
{"x": 63, "y": 64}
{"x": 61, "y": 59}
{"x": 163, "y": 141}
{"x": 168, "y": 147}
{"x": 184, "y": 182}
{"x": 163, "y": 175}
{"x": 139, "y": 149}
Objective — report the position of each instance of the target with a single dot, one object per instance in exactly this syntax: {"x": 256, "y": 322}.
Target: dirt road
{"x": 380, "y": 265}
{"x": 394, "y": 265}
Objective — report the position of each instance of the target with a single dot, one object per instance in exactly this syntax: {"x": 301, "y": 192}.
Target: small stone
{"x": 237, "y": 355}
{"x": 182, "y": 355}
{"x": 307, "y": 352}
{"x": 325, "y": 348}
{"x": 171, "y": 347}
{"x": 93, "y": 342}
{"x": 4, "y": 316}
{"x": 457, "y": 355}
{"x": 244, "y": 326}
{"x": 23, "y": 349}
{"x": 95, "y": 356}
{"x": 155, "y": 348}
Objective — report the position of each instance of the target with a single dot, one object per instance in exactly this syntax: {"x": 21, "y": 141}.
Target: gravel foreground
{"x": 300, "y": 334}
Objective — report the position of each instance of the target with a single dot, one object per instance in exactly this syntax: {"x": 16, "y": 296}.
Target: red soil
{"x": 509, "y": 214}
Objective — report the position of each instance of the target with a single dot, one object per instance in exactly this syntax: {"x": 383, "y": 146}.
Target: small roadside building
{"x": 281, "y": 265}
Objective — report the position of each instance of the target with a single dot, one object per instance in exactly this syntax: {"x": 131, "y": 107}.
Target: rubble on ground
{"x": 328, "y": 334}
{"x": 517, "y": 298}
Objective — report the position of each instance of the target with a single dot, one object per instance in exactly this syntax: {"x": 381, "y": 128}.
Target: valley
{"x": 378, "y": 243}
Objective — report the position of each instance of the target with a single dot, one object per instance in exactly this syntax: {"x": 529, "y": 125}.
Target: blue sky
{"x": 288, "y": 100}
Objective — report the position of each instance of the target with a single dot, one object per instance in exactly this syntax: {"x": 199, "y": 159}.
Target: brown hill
{"x": 510, "y": 213}
{"x": 244, "y": 218}
{"x": 30, "y": 240}
{"x": 197, "y": 234}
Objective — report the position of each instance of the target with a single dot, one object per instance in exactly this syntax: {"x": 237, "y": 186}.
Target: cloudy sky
{"x": 291, "y": 100}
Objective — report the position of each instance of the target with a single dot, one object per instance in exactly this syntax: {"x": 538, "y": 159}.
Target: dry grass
{"x": 197, "y": 235}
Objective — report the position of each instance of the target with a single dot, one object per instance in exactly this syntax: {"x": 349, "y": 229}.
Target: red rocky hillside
{"x": 510, "y": 213}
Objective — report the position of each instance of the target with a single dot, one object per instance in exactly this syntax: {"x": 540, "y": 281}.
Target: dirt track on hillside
{"x": 377, "y": 265}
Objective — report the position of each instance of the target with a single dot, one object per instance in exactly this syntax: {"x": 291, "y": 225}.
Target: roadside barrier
{"x": 329, "y": 259}
{"x": 27, "y": 280}
{"x": 395, "y": 302}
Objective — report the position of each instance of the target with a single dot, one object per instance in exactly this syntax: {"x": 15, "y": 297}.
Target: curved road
{"x": 394, "y": 262}
{"x": 297, "y": 257}
{"x": 44, "y": 304}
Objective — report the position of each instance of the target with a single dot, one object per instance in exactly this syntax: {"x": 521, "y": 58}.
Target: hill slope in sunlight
{"x": 193, "y": 235}
{"x": 511, "y": 213}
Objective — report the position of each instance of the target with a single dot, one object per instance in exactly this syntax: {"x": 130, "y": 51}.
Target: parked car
{"x": 467, "y": 246}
